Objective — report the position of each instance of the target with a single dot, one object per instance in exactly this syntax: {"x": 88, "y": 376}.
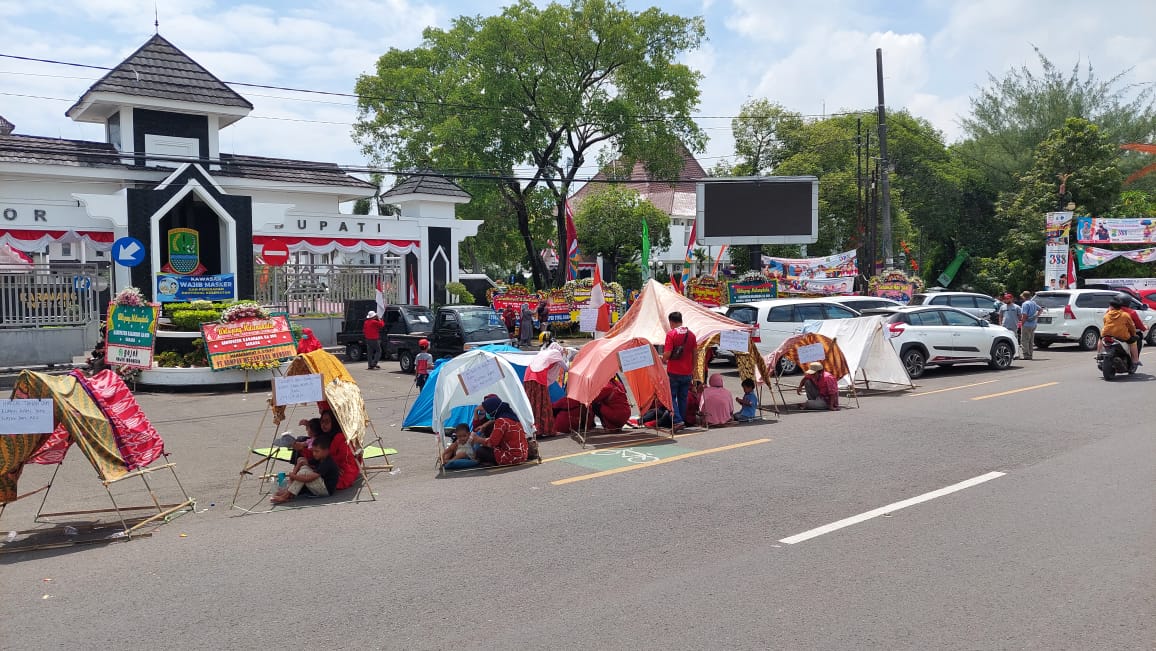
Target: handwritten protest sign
{"x": 737, "y": 340}
{"x": 633, "y": 359}
{"x": 587, "y": 319}
{"x": 810, "y": 353}
{"x": 31, "y": 416}
{"x": 297, "y": 389}
{"x": 476, "y": 378}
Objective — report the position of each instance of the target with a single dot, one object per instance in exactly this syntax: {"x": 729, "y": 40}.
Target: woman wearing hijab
{"x": 340, "y": 451}
{"x": 716, "y": 402}
{"x": 308, "y": 342}
{"x": 526, "y": 325}
{"x": 505, "y": 442}
{"x": 545, "y": 369}
{"x": 611, "y": 405}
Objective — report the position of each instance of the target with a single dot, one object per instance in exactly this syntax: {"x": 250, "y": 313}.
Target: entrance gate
{"x": 305, "y": 289}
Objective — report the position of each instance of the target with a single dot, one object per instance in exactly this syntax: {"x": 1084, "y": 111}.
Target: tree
{"x": 609, "y": 224}
{"x": 495, "y": 249}
{"x": 365, "y": 204}
{"x": 537, "y": 87}
{"x": 764, "y": 134}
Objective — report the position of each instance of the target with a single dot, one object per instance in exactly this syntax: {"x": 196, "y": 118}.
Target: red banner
{"x": 248, "y": 341}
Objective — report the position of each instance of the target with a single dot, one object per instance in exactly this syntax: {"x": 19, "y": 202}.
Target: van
{"x": 1076, "y": 315}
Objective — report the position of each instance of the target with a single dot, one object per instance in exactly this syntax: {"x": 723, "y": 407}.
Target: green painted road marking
{"x": 621, "y": 457}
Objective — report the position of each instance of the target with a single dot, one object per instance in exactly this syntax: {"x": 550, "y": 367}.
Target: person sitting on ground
{"x": 308, "y": 342}
{"x": 822, "y": 388}
{"x": 459, "y": 448}
{"x": 716, "y": 402}
{"x": 339, "y": 449}
{"x": 422, "y": 364}
{"x": 1118, "y": 325}
{"x": 569, "y": 416}
{"x": 656, "y": 415}
{"x": 505, "y": 441}
{"x": 317, "y": 476}
{"x": 611, "y": 405}
{"x": 749, "y": 403}
{"x": 694, "y": 402}
{"x": 301, "y": 444}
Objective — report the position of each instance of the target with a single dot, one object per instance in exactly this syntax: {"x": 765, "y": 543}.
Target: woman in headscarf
{"x": 339, "y": 449}
{"x": 502, "y": 440}
{"x": 308, "y": 342}
{"x": 545, "y": 369}
{"x": 526, "y": 326}
{"x": 611, "y": 405}
{"x": 716, "y": 402}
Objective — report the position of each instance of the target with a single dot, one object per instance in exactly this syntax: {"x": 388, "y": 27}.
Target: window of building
{"x": 66, "y": 249}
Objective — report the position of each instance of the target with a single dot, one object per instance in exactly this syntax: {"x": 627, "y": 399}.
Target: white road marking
{"x": 890, "y": 508}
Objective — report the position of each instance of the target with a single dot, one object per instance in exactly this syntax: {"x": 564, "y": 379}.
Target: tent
{"x": 871, "y": 359}
{"x": 598, "y": 361}
{"x": 823, "y": 350}
{"x": 100, "y": 415}
{"x": 420, "y": 414}
{"x": 343, "y": 397}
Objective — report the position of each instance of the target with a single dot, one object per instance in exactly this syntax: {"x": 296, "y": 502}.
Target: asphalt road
{"x": 1057, "y": 553}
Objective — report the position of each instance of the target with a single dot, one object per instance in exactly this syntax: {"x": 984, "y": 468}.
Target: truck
{"x": 456, "y": 329}
{"x": 399, "y": 320}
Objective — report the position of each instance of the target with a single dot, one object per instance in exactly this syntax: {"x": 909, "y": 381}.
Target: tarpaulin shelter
{"x": 451, "y": 391}
{"x": 872, "y": 361}
{"x": 598, "y": 361}
{"x": 420, "y": 414}
{"x": 102, "y": 418}
{"x": 832, "y": 357}
{"x": 343, "y": 397}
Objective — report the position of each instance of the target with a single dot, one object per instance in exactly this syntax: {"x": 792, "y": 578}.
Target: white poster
{"x": 736, "y": 340}
{"x": 587, "y": 319}
{"x": 810, "y": 353}
{"x": 1057, "y": 227}
{"x": 477, "y": 378}
{"x": 297, "y": 389}
{"x": 633, "y": 359}
{"x": 29, "y": 416}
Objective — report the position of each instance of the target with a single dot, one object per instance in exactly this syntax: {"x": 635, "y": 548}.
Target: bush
{"x": 459, "y": 290}
{"x": 197, "y": 356}
{"x": 191, "y": 320}
{"x": 169, "y": 359}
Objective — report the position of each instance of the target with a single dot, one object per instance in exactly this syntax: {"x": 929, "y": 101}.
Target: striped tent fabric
{"x": 833, "y": 360}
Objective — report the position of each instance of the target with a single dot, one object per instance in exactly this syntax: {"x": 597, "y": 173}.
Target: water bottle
{"x": 280, "y": 480}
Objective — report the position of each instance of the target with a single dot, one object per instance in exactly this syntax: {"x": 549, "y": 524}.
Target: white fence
{"x": 56, "y": 295}
{"x": 320, "y": 289}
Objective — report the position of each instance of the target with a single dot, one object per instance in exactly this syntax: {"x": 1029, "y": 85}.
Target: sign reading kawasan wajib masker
{"x": 176, "y": 288}
{"x": 248, "y": 342}
{"x": 131, "y": 335}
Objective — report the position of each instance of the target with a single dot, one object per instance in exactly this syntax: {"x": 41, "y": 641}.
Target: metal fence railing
{"x": 52, "y": 295}
{"x": 322, "y": 289}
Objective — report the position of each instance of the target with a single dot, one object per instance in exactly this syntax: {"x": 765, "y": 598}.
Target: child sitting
{"x": 317, "y": 476}
{"x": 422, "y": 364}
{"x": 749, "y": 402}
{"x": 459, "y": 448}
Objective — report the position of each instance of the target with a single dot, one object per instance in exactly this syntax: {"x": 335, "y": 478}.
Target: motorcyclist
{"x": 1118, "y": 325}
{"x": 1141, "y": 329}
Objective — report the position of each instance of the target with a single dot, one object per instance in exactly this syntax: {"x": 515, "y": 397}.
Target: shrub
{"x": 459, "y": 291}
{"x": 197, "y": 357}
{"x": 191, "y": 320}
{"x": 169, "y": 359}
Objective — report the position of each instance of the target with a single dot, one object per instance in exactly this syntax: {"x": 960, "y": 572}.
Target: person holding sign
{"x": 822, "y": 388}
{"x": 678, "y": 355}
{"x": 506, "y": 444}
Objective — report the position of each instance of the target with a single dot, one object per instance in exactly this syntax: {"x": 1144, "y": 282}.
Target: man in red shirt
{"x": 822, "y": 388}
{"x": 678, "y": 354}
{"x": 372, "y": 332}
{"x": 1140, "y": 328}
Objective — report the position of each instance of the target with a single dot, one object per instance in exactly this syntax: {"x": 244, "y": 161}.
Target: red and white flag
{"x": 380, "y": 296}
{"x": 413, "y": 300}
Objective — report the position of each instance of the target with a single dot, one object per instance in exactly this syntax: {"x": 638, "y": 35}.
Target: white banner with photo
{"x": 1057, "y": 227}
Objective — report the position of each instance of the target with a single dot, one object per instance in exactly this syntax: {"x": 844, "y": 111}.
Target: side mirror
{"x": 983, "y": 324}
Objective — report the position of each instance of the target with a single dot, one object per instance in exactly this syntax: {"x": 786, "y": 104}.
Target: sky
{"x": 814, "y": 57}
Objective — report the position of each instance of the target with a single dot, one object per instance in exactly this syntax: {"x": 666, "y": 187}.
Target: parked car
{"x": 926, "y": 335}
{"x": 399, "y": 320}
{"x": 978, "y": 305}
{"x": 1076, "y": 315}
{"x": 456, "y": 329}
{"x": 780, "y": 318}
{"x": 1148, "y": 297}
{"x": 860, "y": 303}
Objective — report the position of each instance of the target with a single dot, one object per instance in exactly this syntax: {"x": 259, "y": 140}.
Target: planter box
{"x": 42, "y": 346}
{"x": 202, "y": 377}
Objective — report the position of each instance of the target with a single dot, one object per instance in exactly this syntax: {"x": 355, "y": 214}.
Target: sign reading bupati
{"x": 173, "y": 288}
{"x": 131, "y": 335}
{"x": 1101, "y": 230}
{"x": 1057, "y": 227}
{"x": 249, "y": 341}
{"x": 758, "y": 290}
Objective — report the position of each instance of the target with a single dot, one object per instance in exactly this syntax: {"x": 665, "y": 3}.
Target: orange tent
{"x": 833, "y": 360}
{"x": 646, "y": 318}
{"x": 597, "y": 362}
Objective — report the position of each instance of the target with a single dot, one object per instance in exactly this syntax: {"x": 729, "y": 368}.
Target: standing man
{"x": 1030, "y": 312}
{"x": 543, "y": 317}
{"x": 372, "y": 332}
{"x": 1009, "y": 313}
{"x": 678, "y": 354}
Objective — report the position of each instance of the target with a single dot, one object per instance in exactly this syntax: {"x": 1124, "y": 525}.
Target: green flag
{"x": 645, "y": 250}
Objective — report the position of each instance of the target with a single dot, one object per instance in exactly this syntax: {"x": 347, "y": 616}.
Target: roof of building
{"x": 36, "y": 150}
{"x": 158, "y": 69}
{"x": 671, "y": 198}
{"x": 6, "y": 127}
{"x": 426, "y": 184}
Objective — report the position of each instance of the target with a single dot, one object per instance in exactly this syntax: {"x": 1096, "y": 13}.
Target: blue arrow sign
{"x": 128, "y": 252}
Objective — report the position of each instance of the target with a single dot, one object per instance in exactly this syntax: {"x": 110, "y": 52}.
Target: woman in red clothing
{"x": 611, "y": 405}
{"x": 506, "y": 443}
{"x": 308, "y": 342}
{"x": 340, "y": 451}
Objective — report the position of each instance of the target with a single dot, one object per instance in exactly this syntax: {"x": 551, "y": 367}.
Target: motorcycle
{"x": 1115, "y": 357}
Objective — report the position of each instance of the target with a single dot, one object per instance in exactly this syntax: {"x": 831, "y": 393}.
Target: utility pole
{"x": 860, "y": 226}
{"x": 885, "y": 190}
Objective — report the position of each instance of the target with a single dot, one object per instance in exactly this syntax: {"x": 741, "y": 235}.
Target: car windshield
{"x": 918, "y": 299}
{"x": 1052, "y": 299}
{"x": 482, "y": 325}
{"x": 418, "y": 317}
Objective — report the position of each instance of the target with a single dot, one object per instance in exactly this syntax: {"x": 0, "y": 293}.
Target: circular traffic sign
{"x": 275, "y": 253}
{"x": 128, "y": 252}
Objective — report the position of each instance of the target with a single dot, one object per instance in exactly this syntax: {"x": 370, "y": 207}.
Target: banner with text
{"x": 250, "y": 341}
{"x": 1101, "y": 230}
{"x": 818, "y": 286}
{"x": 1131, "y": 283}
{"x": 1090, "y": 256}
{"x": 131, "y": 335}
{"x": 1057, "y": 226}
{"x": 833, "y": 266}
{"x": 172, "y": 288}
{"x": 756, "y": 291}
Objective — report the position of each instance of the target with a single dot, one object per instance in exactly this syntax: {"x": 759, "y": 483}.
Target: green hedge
{"x": 191, "y": 320}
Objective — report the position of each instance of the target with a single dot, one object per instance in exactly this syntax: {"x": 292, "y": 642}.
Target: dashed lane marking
{"x": 1020, "y": 390}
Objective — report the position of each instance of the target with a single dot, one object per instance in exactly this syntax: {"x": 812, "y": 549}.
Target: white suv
{"x": 927, "y": 335}
{"x": 778, "y": 319}
{"x": 977, "y": 305}
{"x": 1076, "y": 315}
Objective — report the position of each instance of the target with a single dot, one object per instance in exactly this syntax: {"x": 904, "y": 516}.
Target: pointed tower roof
{"x": 675, "y": 199}
{"x": 6, "y": 127}
{"x": 159, "y": 71}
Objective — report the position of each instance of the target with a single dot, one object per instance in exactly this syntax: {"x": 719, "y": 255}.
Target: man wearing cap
{"x": 1029, "y": 319}
{"x": 372, "y": 332}
{"x": 1009, "y": 313}
{"x": 822, "y": 388}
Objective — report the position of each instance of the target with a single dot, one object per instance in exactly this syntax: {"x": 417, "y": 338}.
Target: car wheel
{"x": 915, "y": 362}
{"x": 787, "y": 366}
{"x": 354, "y": 353}
{"x": 1041, "y": 344}
{"x": 1002, "y": 355}
{"x": 1152, "y": 335}
{"x": 405, "y": 358}
{"x": 1089, "y": 339}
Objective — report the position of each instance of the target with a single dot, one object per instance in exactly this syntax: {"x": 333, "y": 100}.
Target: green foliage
{"x": 191, "y": 320}
{"x": 541, "y": 87}
{"x": 170, "y": 359}
{"x": 630, "y": 275}
{"x": 764, "y": 133}
{"x": 609, "y": 223}
{"x": 198, "y": 355}
{"x": 459, "y": 291}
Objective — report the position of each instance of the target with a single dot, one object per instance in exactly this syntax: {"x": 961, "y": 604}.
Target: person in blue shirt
{"x": 1029, "y": 319}
{"x": 749, "y": 402}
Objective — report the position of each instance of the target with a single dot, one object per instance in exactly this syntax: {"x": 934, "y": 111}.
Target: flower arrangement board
{"x": 248, "y": 337}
